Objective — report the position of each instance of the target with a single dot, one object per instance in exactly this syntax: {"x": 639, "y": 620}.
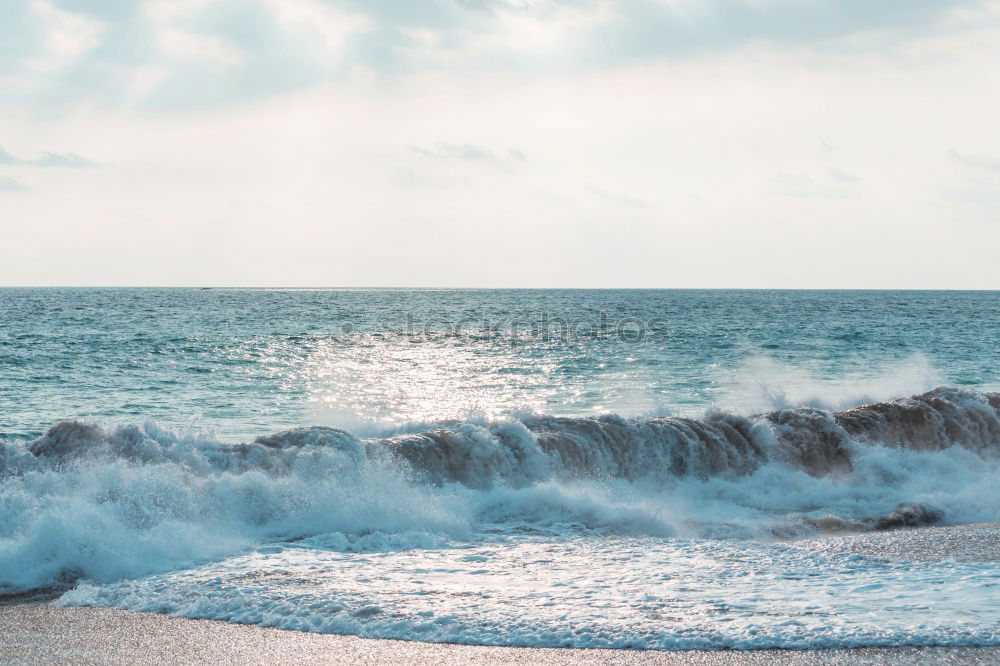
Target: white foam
{"x": 507, "y": 543}
{"x": 762, "y": 382}
{"x": 586, "y": 592}
{"x": 105, "y": 518}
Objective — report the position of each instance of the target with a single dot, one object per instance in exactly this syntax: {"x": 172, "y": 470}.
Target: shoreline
{"x": 33, "y": 630}
{"x": 39, "y": 632}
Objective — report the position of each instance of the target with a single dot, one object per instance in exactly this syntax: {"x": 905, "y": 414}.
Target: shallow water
{"x": 586, "y": 591}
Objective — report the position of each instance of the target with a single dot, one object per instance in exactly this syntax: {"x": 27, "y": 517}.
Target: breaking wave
{"x": 84, "y": 501}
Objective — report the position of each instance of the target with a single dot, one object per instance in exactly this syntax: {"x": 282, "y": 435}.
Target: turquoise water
{"x": 244, "y": 362}
{"x": 538, "y": 468}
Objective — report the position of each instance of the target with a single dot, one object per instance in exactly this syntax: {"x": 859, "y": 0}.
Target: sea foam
{"x": 85, "y": 502}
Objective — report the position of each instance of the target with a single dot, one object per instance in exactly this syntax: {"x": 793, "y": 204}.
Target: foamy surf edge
{"x": 85, "y": 502}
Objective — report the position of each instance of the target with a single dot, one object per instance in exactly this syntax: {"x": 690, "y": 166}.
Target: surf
{"x": 84, "y": 501}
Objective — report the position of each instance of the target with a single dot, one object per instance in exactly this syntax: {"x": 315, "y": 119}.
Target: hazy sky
{"x": 646, "y": 143}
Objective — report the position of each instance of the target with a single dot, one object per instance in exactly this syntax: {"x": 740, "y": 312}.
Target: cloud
{"x": 802, "y": 184}
{"x": 332, "y": 22}
{"x": 843, "y": 176}
{"x": 683, "y": 27}
{"x": 62, "y": 160}
{"x": 976, "y": 161}
{"x": 68, "y": 34}
{"x": 618, "y": 198}
{"x": 188, "y": 53}
{"x": 470, "y": 153}
{"x": 48, "y": 159}
{"x": 173, "y": 54}
{"x": 11, "y": 185}
{"x": 7, "y": 158}
{"x": 574, "y": 35}
{"x": 192, "y": 46}
{"x": 317, "y": 137}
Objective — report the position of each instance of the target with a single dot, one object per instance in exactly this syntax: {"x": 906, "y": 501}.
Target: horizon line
{"x": 454, "y": 288}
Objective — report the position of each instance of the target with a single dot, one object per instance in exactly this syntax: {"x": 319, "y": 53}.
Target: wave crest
{"x": 106, "y": 503}
{"x": 538, "y": 448}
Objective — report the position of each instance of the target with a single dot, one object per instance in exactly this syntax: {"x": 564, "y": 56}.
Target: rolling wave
{"x": 84, "y": 501}
{"x": 537, "y": 448}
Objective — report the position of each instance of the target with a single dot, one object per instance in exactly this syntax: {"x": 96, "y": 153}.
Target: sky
{"x": 500, "y": 143}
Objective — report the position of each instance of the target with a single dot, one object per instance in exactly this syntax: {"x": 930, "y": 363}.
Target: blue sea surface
{"x": 246, "y": 362}
{"x": 647, "y": 469}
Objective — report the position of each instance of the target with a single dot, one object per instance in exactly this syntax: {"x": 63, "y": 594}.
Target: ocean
{"x": 655, "y": 469}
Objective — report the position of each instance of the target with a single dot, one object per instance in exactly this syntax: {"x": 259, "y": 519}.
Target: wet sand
{"x": 34, "y": 632}
{"x": 41, "y": 633}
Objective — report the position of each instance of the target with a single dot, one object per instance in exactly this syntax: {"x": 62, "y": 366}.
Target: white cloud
{"x": 67, "y": 36}
{"x": 171, "y": 21}
{"x": 182, "y": 44}
{"x": 333, "y": 24}
{"x": 468, "y": 152}
{"x": 47, "y": 159}
{"x": 977, "y": 161}
{"x": 8, "y": 184}
{"x": 567, "y": 168}
{"x": 169, "y": 11}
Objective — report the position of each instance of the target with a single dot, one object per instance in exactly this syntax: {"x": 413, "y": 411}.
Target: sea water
{"x": 621, "y": 468}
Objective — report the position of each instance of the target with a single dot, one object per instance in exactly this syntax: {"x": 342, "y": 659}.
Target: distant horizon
{"x": 454, "y": 288}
